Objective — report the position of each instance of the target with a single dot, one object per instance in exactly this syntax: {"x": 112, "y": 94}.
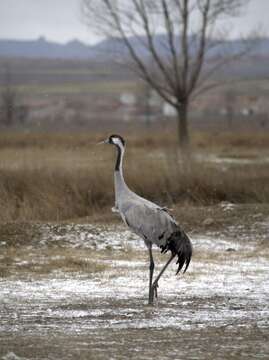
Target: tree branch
{"x": 171, "y": 40}
{"x": 141, "y": 10}
{"x": 201, "y": 51}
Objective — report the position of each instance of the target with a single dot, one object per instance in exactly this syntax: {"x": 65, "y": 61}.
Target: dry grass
{"x": 56, "y": 177}
{"x": 137, "y": 138}
{"x": 46, "y": 261}
{"x": 232, "y": 140}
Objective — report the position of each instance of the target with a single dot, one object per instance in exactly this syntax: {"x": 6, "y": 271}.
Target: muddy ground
{"x": 79, "y": 291}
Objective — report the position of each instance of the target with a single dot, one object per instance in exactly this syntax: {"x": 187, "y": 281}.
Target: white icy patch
{"x": 219, "y": 290}
{"x": 219, "y": 244}
{"x": 231, "y": 160}
{"x": 12, "y": 356}
{"x": 233, "y": 290}
{"x": 227, "y": 206}
{"x": 89, "y": 236}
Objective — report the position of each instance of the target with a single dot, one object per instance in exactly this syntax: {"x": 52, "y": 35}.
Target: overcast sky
{"x": 60, "y": 20}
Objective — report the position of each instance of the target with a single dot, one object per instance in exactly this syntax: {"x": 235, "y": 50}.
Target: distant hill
{"x": 41, "y": 48}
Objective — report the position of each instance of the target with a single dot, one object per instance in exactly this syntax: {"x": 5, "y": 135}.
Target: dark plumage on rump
{"x": 179, "y": 244}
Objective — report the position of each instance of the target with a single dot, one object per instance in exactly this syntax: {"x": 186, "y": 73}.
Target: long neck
{"x": 120, "y": 185}
{"x": 120, "y": 153}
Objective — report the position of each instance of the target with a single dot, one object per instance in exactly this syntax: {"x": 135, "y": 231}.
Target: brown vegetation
{"x": 48, "y": 260}
{"x": 56, "y": 177}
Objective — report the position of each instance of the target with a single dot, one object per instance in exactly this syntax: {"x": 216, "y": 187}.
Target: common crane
{"x": 149, "y": 221}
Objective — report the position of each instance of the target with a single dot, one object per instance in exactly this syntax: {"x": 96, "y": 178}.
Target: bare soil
{"x": 79, "y": 290}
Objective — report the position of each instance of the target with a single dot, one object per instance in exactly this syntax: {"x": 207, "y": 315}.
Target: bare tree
{"x": 8, "y": 100}
{"x": 173, "y": 63}
{"x": 12, "y": 111}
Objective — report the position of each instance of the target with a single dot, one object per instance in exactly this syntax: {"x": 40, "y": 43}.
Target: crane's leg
{"x": 151, "y": 270}
{"x": 155, "y": 283}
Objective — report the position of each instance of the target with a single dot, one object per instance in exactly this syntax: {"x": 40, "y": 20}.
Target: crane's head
{"x": 114, "y": 140}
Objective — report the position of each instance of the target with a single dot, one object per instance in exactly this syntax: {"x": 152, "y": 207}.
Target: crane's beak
{"x": 103, "y": 142}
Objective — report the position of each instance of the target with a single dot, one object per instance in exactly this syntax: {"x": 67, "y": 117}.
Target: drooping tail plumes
{"x": 179, "y": 244}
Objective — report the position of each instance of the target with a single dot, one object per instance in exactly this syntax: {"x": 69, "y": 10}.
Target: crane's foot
{"x": 155, "y": 289}
{"x": 150, "y": 303}
{"x": 153, "y": 293}
{"x": 151, "y": 296}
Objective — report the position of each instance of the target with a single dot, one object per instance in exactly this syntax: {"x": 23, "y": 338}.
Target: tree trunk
{"x": 183, "y": 129}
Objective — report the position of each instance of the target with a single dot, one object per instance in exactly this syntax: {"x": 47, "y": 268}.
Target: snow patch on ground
{"x": 223, "y": 289}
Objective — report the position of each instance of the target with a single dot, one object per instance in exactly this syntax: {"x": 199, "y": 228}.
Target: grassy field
{"x": 74, "y": 281}
{"x": 46, "y": 177}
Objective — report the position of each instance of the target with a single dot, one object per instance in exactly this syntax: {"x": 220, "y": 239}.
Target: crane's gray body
{"x": 148, "y": 220}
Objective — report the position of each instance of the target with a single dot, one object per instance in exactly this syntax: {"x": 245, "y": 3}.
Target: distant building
{"x": 128, "y": 99}
{"x": 168, "y": 110}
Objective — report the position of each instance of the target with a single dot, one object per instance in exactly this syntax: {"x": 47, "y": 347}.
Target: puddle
{"x": 219, "y": 309}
